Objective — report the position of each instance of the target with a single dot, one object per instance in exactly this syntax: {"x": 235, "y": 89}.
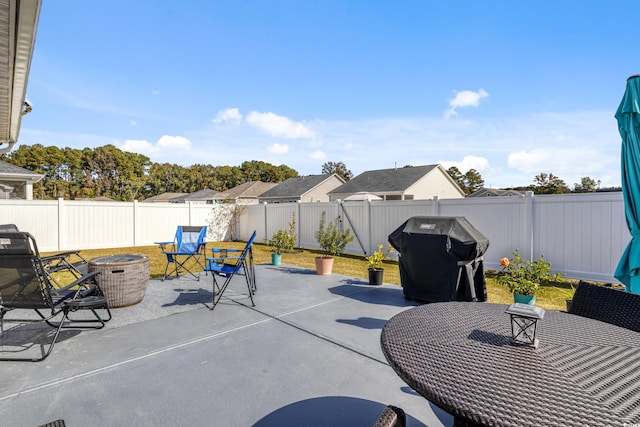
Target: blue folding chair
{"x": 227, "y": 267}
{"x": 188, "y": 245}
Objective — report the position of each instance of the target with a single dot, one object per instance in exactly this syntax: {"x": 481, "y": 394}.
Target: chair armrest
{"x": 80, "y": 282}
{"x": 162, "y": 245}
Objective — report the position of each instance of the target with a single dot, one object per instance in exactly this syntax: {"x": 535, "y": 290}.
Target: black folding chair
{"x": 25, "y": 285}
{"x": 187, "y": 245}
{"x": 63, "y": 267}
{"x": 229, "y": 266}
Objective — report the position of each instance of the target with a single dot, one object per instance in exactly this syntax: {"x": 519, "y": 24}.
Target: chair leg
{"x": 51, "y": 344}
{"x": 220, "y": 290}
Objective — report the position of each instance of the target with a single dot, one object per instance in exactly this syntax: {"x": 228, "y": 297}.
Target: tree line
{"x": 71, "y": 173}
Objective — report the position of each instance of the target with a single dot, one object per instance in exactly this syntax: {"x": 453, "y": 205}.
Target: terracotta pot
{"x": 324, "y": 265}
{"x": 375, "y": 276}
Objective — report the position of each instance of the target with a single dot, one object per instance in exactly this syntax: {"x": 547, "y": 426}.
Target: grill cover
{"x": 440, "y": 259}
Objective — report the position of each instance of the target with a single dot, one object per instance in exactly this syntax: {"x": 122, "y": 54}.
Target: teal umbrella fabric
{"x": 628, "y": 117}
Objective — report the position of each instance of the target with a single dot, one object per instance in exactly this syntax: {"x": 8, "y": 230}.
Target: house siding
{"x": 435, "y": 183}
{"x": 319, "y": 193}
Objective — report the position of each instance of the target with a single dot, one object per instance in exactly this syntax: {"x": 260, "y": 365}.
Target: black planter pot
{"x": 375, "y": 276}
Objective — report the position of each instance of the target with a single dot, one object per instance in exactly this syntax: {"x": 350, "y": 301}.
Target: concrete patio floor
{"x": 308, "y": 354}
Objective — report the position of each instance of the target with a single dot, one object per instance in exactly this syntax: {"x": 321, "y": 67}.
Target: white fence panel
{"x": 581, "y": 234}
{"x": 503, "y": 220}
{"x": 252, "y": 220}
{"x": 310, "y": 219}
{"x": 38, "y": 217}
{"x": 85, "y": 227}
{"x": 157, "y": 222}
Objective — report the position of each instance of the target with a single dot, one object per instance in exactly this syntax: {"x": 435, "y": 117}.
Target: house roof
{"x": 495, "y": 192}
{"x": 18, "y": 27}
{"x": 196, "y": 196}
{"x": 384, "y": 180}
{"x": 164, "y": 197}
{"x": 7, "y": 170}
{"x": 246, "y": 190}
{"x": 296, "y": 187}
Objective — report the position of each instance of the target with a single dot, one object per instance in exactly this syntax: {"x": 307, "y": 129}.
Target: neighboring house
{"x": 245, "y": 194}
{"x": 164, "y": 197}
{"x": 495, "y": 192}
{"x": 203, "y": 196}
{"x": 16, "y": 182}
{"x": 409, "y": 183}
{"x": 18, "y": 28}
{"x": 311, "y": 188}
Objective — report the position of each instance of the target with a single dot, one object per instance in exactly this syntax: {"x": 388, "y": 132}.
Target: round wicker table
{"x": 458, "y": 356}
{"x": 123, "y": 278}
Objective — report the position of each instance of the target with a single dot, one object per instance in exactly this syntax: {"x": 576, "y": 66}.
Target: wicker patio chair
{"x": 392, "y": 416}
{"x": 25, "y": 285}
{"x": 187, "y": 245}
{"x": 606, "y": 304}
{"x": 228, "y": 267}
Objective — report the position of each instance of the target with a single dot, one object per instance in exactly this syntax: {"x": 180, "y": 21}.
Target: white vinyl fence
{"x": 582, "y": 235}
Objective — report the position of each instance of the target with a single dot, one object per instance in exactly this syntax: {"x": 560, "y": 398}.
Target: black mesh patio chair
{"x": 25, "y": 285}
{"x": 187, "y": 245}
{"x": 71, "y": 262}
{"x": 607, "y": 304}
{"x": 392, "y": 416}
{"x": 228, "y": 267}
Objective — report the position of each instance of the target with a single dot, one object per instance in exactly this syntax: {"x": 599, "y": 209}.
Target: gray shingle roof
{"x": 248, "y": 189}
{"x": 295, "y": 187}
{"x": 384, "y": 180}
{"x": 197, "y": 196}
{"x": 8, "y": 168}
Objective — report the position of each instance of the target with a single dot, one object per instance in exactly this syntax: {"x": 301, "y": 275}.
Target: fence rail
{"x": 582, "y": 235}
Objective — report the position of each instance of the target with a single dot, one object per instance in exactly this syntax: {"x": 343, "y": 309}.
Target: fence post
{"x": 265, "y": 221}
{"x": 436, "y": 206}
{"x": 298, "y": 222}
{"x": 135, "y": 223}
{"x": 61, "y": 228}
{"x": 527, "y": 222}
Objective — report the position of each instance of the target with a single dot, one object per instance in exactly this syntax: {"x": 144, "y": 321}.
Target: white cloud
{"x": 480, "y": 164}
{"x": 174, "y": 142}
{"x": 279, "y": 126}
{"x": 278, "y": 149}
{"x": 567, "y": 163}
{"x": 230, "y": 115}
{"x": 464, "y": 98}
{"x": 139, "y": 146}
{"x": 132, "y": 123}
{"x": 318, "y": 155}
{"x": 155, "y": 92}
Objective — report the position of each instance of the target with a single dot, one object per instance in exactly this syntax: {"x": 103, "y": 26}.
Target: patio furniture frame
{"x": 229, "y": 266}
{"x": 25, "y": 285}
{"x": 188, "y": 244}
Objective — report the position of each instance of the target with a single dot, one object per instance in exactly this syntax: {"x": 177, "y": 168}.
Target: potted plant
{"x": 375, "y": 265}
{"x": 332, "y": 240}
{"x": 277, "y": 243}
{"x": 282, "y": 241}
{"x": 523, "y": 278}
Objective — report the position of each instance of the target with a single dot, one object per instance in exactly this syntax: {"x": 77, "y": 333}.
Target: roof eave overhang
{"x": 22, "y": 23}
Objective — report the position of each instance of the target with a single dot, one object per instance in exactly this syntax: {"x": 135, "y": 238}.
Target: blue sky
{"x": 510, "y": 89}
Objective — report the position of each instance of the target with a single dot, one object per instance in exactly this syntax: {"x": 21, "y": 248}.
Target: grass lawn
{"x": 550, "y": 297}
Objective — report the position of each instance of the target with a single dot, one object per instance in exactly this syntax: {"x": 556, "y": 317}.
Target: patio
{"x": 307, "y": 354}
